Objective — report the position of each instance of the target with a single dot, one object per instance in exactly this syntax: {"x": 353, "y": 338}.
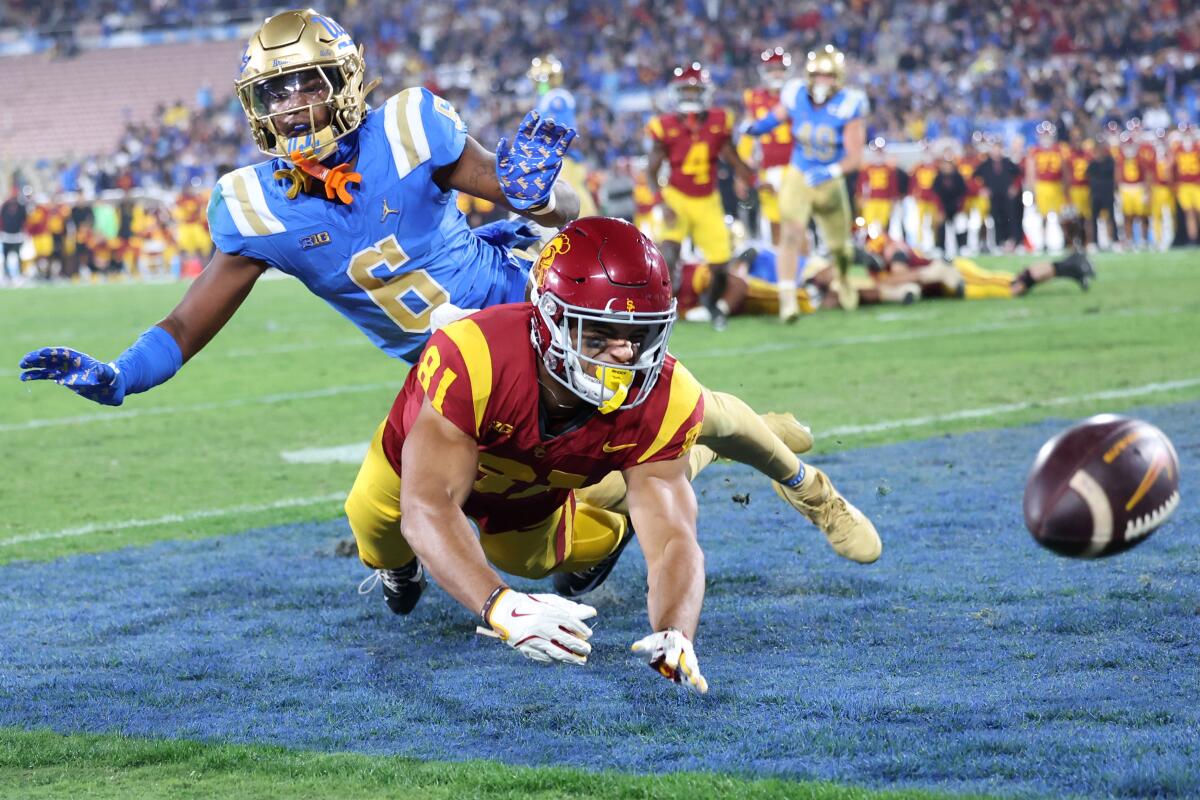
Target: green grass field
{"x": 202, "y": 456}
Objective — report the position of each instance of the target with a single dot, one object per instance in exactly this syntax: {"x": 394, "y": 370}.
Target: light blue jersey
{"x": 820, "y": 132}
{"x": 559, "y": 104}
{"x": 400, "y": 249}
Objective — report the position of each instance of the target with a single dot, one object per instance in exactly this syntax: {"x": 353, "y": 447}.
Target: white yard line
{"x": 342, "y": 454}
{"x": 132, "y": 413}
{"x": 314, "y": 455}
{"x": 170, "y": 519}
{"x": 1011, "y": 408}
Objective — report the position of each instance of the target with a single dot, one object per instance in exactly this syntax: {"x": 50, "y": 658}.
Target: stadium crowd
{"x": 940, "y": 70}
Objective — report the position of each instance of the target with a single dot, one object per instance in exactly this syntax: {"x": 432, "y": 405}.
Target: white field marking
{"x": 169, "y": 519}
{"x": 1011, "y": 408}
{"x": 877, "y": 338}
{"x": 343, "y": 454}
{"x": 901, "y": 336}
{"x": 353, "y": 453}
{"x": 132, "y": 413}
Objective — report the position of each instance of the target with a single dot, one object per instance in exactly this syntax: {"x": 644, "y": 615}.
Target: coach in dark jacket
{"x": 1102, "y": 182}
{"x": 999, "y": 175}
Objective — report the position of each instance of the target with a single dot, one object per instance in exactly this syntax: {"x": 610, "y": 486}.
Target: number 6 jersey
{"x": 400, "y": 249}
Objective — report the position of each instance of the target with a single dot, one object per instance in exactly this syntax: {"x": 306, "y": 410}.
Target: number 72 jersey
{"x": 820, "y": 131}
{"x": 399, "y": 250}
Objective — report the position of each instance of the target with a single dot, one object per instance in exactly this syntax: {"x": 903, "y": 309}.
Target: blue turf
{"x": 967, "y": 659}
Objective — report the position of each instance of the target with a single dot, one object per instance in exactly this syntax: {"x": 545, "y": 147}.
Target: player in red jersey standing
{"x": 691, "y": 139}
{"x": 774, "y": 148}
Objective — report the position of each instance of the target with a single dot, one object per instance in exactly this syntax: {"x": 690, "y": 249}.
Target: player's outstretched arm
{"x": 521, "y": 177}
{"x": 541, "y": 627}
{"x": 159, "y": 353}
{"x": 662, "y": 507}
{"x": 731, "y": 157}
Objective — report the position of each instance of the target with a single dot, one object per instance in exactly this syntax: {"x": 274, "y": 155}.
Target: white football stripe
{"x": 342, "y": 454}
{"x": 169, "y": 519}
{"x": 133, "y": 413}
{"x": 391, "y": 128}
{"x": 1097, "y": 502}
{"x": 416, "y": 125}
{"x": 1010, "y": 408}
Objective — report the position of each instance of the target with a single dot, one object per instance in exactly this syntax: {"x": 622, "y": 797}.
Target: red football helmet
{"x": 602, "y": 270}
{"x": 774, "y": 66}
{"x": 691, "y": 88}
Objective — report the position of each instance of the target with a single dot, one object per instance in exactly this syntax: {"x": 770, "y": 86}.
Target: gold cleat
{"x": 848, "y": 530}
{"x": 796, "y": 436}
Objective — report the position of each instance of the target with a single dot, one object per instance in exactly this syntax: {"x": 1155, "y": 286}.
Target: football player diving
{"x": 525, "y": 404}
{"x": 358, "y": 203}
{"x": 829, "y": 133}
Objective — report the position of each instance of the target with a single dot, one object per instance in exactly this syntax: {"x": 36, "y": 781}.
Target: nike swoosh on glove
{"x": 541, "y": 627}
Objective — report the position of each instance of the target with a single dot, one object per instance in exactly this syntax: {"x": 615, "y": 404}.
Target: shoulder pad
{"x": 238, "y": 206}
{"x": 420, "y": 126}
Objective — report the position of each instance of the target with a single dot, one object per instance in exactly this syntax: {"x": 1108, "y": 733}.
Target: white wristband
{"x": 835, "y": 169}
{"x": 547, "y": 207}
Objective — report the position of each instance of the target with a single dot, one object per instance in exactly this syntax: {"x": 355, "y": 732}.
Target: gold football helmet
{"x": 301, "y": 85}
{"x": 828, "y": 61}
{"x": 546, "y": 70}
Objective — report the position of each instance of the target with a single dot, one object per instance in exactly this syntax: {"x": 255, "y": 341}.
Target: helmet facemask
{"x": 322, "y": 123}
{"x": 610, "y": 387}
{"x": 691, "y": 98}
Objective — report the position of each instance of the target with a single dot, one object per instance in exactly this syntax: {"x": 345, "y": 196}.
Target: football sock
{"x": 732, "y": 430}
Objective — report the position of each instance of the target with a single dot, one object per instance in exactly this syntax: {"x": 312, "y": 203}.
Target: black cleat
{"x": 1078, "y": 268}
{"x": 402, "y": 587}
{"x": 573, "y": 584}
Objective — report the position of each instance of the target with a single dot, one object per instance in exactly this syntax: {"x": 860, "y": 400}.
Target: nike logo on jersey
{"x": 612, "y": 448}
{"x": 387, "y": 211}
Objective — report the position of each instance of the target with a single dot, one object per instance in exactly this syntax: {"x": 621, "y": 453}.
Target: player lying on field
{"x": 526, "y": 406}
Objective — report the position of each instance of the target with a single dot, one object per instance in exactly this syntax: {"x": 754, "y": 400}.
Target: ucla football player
{"x": 557, "y": 103}
{"x": 356, "y": 202}
{"x": 830, "y": 132}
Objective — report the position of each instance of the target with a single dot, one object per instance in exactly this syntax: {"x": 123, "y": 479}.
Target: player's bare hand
{"x": 671, "y": 655}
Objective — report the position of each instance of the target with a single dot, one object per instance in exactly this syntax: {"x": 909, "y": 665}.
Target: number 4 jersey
{"x": 400, "y": 249}
{"x": 692, "y": 143}
{"x": 481, "y": 373}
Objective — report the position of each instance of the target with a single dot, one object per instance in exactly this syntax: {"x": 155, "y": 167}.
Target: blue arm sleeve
{"x": 765, "y": 125}
{"x": 149, "y": 361}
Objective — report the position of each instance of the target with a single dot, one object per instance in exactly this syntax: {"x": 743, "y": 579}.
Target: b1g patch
{"x": 315, "y": 240}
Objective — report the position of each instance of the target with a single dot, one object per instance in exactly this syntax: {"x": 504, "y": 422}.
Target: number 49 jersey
{"x": 820, "y": 131}
{"x": 399, "y": 250}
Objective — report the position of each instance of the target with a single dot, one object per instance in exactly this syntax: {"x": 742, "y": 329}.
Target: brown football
{"x": 1101, "y": 487}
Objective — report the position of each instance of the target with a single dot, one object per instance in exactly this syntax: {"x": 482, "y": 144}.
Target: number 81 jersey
{"x": 399, "y": 250}
{"x": 819, "y": 132}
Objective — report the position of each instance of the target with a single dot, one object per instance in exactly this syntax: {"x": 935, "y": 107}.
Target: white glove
{"x": 671, "y": 654}
{"x": 542, "y": 627}
{"x": 446, "y": 313}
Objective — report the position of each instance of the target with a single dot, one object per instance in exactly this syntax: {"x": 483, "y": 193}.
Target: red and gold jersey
{"x": 1187, "y": 165}
{"x": 189, "y": 210}
{"x": 1077, "y": 168}
{"x": 777, "y": 144}
{"x": 892, "y": 249}
{"x": 923, "y": 176}
{"x": 1162, "y": 172}
{"x": 1129, "y": 168}
{"x": 38, "y": 221}
{"x": 57, "y": 219}
{"x": 1147, "y": 155}
{"x": 692, "y": 143}
{"x": 878, "y": 182}
{"x": 643, "y": 198}
{"x": 966, "y": 167}
{"x": 1048, "y": 163}
{"x": 490, "y": 392}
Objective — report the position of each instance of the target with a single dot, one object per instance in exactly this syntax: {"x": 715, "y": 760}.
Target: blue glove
{"x": 815, "y": 176}
{"x": 79, "y": 372}
{"x": 528, "y": 168}
{"x": 761, "y": 126}
{"x": 514, "y": 234}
